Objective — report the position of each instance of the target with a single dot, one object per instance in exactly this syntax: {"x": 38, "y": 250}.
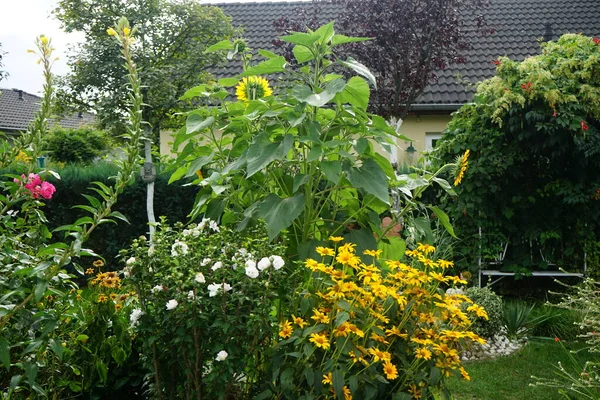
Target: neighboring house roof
{"x": 519, "y": 25}
{"x": 18, "y": 108}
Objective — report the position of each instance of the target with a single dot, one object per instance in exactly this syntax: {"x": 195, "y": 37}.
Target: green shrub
{"x": 554, "y": 322}
{"x": 76, "y": 145}
{"x": 518, "y": 318}
{"x": 492, "y": 303}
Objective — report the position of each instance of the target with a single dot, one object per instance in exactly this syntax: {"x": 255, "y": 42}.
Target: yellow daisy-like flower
{"x": 98, "y": 263}
{"x": 461, "y": 168}
{"x": 327, "y": 379}
{"x": 347, "y": 393}
{"x": 286, "y": 330}
{"x": 22, "y": 157}
{"x": 372, "y": 253}
{"x": 390, "y": 370}
{"x": 325, "y": 251}
{"x": 299, "y": 321}
{"x": 423, "y": 353}
{"x": 336, "y": 239}
{"x": 253, "y": 88}
{"x": 89, "y": 271}
{"x": 319, "y": 341}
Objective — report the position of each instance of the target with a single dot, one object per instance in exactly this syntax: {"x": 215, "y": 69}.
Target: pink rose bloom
{"x": 34, "y": 179}
{"x": 47, "y": 190}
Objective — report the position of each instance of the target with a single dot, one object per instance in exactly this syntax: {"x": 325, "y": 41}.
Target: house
{"x": 519, "y": 26}
{"x": 18, "y": 108}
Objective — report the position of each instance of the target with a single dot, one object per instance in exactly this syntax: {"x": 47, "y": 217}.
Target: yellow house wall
{"x": 416, "y": 127}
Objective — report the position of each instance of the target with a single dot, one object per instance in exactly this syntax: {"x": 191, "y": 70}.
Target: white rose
{"x": 200, "y": 278}
{"x": 130, "y": 261}
{"x": 205, "y": 262}
{"x": 277, "y": 261}
{"x": 221, "y": 356}
{"x": 191, "y": 295}
{"x": 217, "y": 265}
{"x": 157, "y": 288}
{"x": 227, "y": 287}
{"x": 252, "y": 272}
{"x": 135, "y": 316}
{"x": 213, "y": 289}
{"x": 250, "y": 264}
{"x": 172, "y": 304}
{"x": 264, "y": 263}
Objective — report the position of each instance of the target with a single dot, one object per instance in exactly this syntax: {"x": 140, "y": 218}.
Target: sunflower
{"x": 253, "y": 88}
{"x": 286, "y": 330}
{"x": 461, "y": 167}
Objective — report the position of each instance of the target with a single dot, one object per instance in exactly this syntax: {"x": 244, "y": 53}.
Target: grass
{"x": 508, "y": 378}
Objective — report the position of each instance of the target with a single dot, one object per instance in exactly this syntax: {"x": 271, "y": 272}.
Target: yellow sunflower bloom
{"x": 319, "y": 340}
{"x": 461, "y": 167}
{"x": 253, "y": 88}
{"x": 390, "y": 370}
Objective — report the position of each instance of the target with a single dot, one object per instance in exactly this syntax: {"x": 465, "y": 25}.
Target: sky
{"x": 22, "y": 22}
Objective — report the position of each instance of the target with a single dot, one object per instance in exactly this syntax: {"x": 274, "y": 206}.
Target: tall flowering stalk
{"x": 38, "y": 269}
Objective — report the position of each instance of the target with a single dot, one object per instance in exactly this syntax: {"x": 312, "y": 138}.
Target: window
{"x": 431, "y": 139}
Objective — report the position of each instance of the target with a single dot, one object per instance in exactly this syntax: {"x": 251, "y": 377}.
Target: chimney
{"x": 80, "y": 114}
{"x": 548, "y": 32}
{"x": 20, "y": 92}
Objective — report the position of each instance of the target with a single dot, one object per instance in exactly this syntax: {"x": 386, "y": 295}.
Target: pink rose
{"x": 47, "y": 190}
{"x": 34, "y": 179}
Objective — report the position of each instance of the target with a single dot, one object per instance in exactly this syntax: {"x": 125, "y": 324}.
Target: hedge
{"x": 173, "y": 201}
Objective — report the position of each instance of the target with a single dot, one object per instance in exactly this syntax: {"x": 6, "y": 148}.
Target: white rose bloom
{"x": 221, "y": 356}
{"x": 186, "y": 232}
{"x": 195, "y": 232}
{"x": 172, "y": 304}
{"x": 213, "y": 289}
{"x": 252, "y": 272}
{"x": 205, "y": 262}
{"x": 213, "y": 225}
{"x": 200, "y": 278}
{"x": 130, "y": 261}
{"x": 203, "y": 223}
{"x": 277, "y": 261}
{"x": 250, "y": 264}
{"x": 191, "y": 295}
{"x": 227, "y": 287}
{"x": 135, "y": 316}
{"x": 179, "y": 249}
{"x": 150, "y": 251}
{"x": 243, "y": 251}
{"x": 157, "y": 288}
{"x": 264, "y": 263}
{"x": 217, "y": 265}
{"x": 127, "y": 272}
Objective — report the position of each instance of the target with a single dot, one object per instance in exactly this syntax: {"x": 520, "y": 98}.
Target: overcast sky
{"x": 22, "y": 21}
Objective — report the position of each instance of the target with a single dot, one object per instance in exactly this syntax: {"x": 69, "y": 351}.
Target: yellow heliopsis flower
{"x": 319, "y": 340}
{"x": 253, "y": 88}
{"x": 327, "y": 379}
{"x": 390, "y": 370}
{"x": 286, "y": 330}
{"x": 111, "y": 32}
{"x": 461, "y": 167}
{"x": 22, "y": 157}
{"x": 325, "y": 251}
{"x": 336, "y": 238}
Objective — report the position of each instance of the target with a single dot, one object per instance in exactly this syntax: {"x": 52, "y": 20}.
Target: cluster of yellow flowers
{"x": 22, "y": 157}
{"x": 386, "y": 316}
{"x": 109, "y": 280}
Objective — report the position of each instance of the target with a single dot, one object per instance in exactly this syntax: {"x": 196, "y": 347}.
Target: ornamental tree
{"x": 169, "y": 53}
{"x": 412, "y": 40}
{"x": 534, "y": 135}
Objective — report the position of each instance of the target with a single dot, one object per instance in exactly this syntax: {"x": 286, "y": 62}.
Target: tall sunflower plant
{"x": 304, "y": 155}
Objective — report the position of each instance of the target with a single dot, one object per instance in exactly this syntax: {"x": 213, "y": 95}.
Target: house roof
{"x": 18, "y": 108}
{"x": 519, "y": 25}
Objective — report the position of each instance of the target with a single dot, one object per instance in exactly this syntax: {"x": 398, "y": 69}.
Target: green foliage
{"x": 533, "y": 131}
{"x": 554, "y": 322}
{"x": 207, "y": 316}
{"x": 493, "y": 305}
{"x": 76, "y": 145}
{"x": 172, "y": 201}
{"x": 170, "y": 55}
{"x": 34, "y": 270}
{"x": 305, "y": 161}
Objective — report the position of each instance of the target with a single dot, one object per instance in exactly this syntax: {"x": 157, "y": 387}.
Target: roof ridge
{"x": 19, "y": 90}
{"x": 237, "y": 3}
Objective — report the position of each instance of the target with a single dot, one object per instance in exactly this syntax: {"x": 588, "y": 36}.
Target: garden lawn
{"x": 508, "y": 378}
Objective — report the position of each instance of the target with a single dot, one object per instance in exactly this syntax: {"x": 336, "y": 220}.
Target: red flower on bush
{"x": 584, "y": 126}
{"x": 497, "y": 62}
{"x": 33, "y": 183}
{"x": 596, "y": 40}
{"x": 526, "y": 86}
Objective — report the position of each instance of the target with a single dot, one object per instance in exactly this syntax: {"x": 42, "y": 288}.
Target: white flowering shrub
{"x": 208, "y": 308}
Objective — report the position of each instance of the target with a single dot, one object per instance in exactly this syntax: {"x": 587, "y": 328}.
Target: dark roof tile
{"x": 18, "y": 108}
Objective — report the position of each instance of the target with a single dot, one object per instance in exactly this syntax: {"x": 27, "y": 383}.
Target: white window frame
{"x": 430, "y": 137}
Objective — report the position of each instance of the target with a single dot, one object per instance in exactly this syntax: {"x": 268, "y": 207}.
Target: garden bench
{"x": 499, "y": 275}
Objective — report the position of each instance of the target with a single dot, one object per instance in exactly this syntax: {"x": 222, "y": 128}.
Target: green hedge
{"x": 173, "y": 201}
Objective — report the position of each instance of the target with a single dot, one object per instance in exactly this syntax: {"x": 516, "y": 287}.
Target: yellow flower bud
{"x": 44, "y": 39}
{"x": 126, "y": 31}
{"x": 111, "y": 32}
{"x": 30, "y": 51}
